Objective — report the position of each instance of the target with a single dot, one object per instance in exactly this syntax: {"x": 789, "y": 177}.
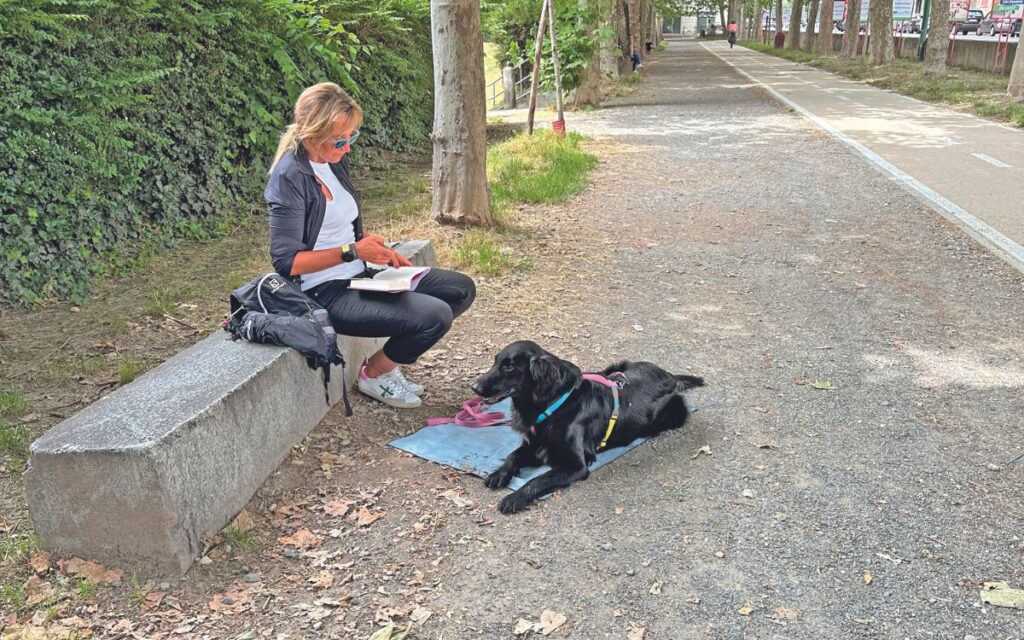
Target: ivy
{"x": 127, "y": 126}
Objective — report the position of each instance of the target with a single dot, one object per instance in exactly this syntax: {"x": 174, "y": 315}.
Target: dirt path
{"x": 752, "y": 250}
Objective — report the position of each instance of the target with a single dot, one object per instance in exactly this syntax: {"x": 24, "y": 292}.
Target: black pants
{"x": 414, "y": 320}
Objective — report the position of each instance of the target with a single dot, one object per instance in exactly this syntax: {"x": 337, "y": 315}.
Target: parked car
{"x": 970, "y": 23}
{"x": 994, "y": 24}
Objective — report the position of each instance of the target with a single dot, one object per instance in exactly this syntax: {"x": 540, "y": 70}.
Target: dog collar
{"x": 555, "y": 405}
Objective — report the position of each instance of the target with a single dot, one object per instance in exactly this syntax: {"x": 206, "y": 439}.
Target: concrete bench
{"x": 136, "y": 478}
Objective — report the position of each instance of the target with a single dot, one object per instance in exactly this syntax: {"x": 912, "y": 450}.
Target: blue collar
{"x": 554, "y": 406}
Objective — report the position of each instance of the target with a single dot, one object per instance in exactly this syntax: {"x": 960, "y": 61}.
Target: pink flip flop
{"x": 473, "y": 415}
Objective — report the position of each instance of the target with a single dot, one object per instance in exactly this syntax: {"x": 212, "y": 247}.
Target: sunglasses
{"x": 341, "y": 142}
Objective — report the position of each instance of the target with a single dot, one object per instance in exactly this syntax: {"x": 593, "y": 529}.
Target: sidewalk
{"x": 969, "y": 169}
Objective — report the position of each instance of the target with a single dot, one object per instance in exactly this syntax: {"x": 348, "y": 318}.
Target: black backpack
{"x": 272, "y": 310}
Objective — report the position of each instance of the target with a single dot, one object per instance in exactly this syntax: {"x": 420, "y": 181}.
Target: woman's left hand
{"x": 399, "y": 260}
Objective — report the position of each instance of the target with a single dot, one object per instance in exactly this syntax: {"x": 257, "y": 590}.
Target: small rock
{"x": 747, "y": 493}
{"x": 245, "y": 569}
{"x": 291, "y": 553}
{"x": 165, "y": 586}
{"x": 205, "y": 560}
{"x": 630, "y": 572}
{"x": 253, "y": 576}
{"x": 228, "y": 600}
{"x": 607, "y": 546}
{"x": 993, "y": 467}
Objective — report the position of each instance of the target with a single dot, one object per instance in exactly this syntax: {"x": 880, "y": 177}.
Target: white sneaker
{"x": 388, "y": 389}
{"x": 409, "y": 384}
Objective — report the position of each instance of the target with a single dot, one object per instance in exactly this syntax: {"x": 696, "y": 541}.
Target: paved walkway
{"x": 969, "y": 169}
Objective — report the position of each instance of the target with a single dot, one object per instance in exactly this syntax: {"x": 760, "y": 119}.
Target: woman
{"x": 316, "y": 238}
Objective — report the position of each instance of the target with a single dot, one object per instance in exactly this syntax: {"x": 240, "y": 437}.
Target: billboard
{"x": 901, "y": 9}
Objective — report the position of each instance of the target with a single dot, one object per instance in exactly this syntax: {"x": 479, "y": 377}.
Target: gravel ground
{"x": 725, "y": 237}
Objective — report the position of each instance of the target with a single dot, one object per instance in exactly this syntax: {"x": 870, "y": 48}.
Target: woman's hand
{"x": 372, "y": 249}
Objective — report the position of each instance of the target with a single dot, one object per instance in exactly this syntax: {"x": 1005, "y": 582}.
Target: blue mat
{"x": 481, "y": 451}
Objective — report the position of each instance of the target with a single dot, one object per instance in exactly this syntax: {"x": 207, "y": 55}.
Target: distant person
{"x": 733, "y": 28}
{"x": 636, "y": 62}
{"x": 649, "y": 46}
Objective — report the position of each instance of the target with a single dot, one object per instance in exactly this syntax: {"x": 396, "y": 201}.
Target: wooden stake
{"x": 535, "y": 82}
{"x": 554, "y": 60}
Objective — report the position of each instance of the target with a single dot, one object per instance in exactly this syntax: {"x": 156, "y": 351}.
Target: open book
{"x": 392, "y": 280}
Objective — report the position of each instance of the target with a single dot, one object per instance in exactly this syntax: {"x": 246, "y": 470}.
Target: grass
{"x": 13, "y": 596}
{"x": 15, "y": 549}
{"x": 14, "y": 438}
{"x": 128, "y": 370}
{"x": 87, "y": 589}
{"x": 977, "y": 92}
{"x": 12, "y": 404}
{"x": 543, "y": 168}
{"x": 239, "y": 539}
{"x": 479, "y": 251}
{"x": 161, "y": 302}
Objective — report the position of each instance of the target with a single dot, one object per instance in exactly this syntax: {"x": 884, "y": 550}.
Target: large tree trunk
{"x": 606, "y": 46}
{"x": 1016, "y": 86}
{"x": 937, "y": 47}
{"x": 852, "y": 31}
{"x": 461, "y": 194}
{"x": 635, "y": 30}
{"x": 823, "y": 41}
{"x": 794, "y": 25}
{"x": 812, "y": 23}
{"x": 721, "y": 13}
{"x": 880, "y": 28}
{"x": 758, "y": 20}
{"x": 589, "y": 91}
{"x": 778, "y": 16}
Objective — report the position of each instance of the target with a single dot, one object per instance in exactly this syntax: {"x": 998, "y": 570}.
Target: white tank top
{"x": 338, "y": 229}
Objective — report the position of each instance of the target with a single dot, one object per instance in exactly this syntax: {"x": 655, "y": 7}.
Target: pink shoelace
{"x": 472, "y": 414}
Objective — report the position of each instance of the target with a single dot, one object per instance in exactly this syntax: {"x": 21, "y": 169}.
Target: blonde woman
{"x": 317, "y": 239}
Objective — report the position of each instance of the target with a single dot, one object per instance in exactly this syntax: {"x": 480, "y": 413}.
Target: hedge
{"x": 128, "y": 126}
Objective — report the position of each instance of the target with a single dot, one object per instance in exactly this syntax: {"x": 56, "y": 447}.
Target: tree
{"x": 880, "y": 30}
{"x": 794, "y": 25}
{"x": 823, "y": 41}
{"x": 461, "y": 194}
{"x": 589, "y": 90}
{"x": 1016, "y": 86}
{"x": 851, "y": 33}
{"x": 937, "y": 46}
{"x": 812, "y": 22}
{"x": 778, "y": 17}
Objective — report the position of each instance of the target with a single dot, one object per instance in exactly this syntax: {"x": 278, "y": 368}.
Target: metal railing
{"x": 495, "y": 92}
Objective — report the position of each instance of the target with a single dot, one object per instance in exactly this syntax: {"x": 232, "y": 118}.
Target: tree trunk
{"x": 589, "y": 91}
{"x": 823, "y": 41}
{"x": 880, "y": 28}
{"x": 1016, "y": 86}
{"x": 851, "y": 33}
{"x": 758, "y": 20}
{"x": 937, "y": 47}
{"x": 812, "y": 23}
{"x": 778, "y": 16}
{"x": 606, "y": 46}
{"x": 794, "y": 25}
{"x": 721, "y": 13}
{"x": 634, "y": 29}
{"x": 461, "y": 194}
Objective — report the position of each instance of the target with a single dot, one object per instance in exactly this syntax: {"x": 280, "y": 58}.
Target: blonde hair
{"x": 316, "y": 112}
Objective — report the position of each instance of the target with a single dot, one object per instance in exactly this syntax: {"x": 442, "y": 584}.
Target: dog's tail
{"x": 688, "y": 382}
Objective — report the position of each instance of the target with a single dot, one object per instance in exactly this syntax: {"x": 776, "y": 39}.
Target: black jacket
{"x": 297, "y": 206}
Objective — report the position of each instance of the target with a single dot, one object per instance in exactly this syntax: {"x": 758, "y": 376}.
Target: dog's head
{"x": 524, "y": 370}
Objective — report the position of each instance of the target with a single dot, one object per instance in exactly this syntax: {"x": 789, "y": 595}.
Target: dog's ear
{"x": 551, "y": 376}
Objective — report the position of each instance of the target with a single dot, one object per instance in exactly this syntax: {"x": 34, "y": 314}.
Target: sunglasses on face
{"x": 341, "y": 142}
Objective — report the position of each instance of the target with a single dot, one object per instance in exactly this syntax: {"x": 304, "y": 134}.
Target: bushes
{"x": 127, "y": 125}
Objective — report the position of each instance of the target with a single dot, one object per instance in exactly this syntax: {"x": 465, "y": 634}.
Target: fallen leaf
{"x": 868, "y": 578}
{"x": 549, "y": 621}
{"x": 745, "y": 610}
{"x": 420, "y": 615}
{"x": 617, "y": 613}
{"x": 894, "y": 560}
{"x": 523, "y": 626}
{"x": 364, "y": 517}
{"x": 384, "y": 633}
{"x": 338, "y": 508}
{"x": 800, "y": 381}
{"x": 636, "y": 633}
{"x": 706, "y": 450}
{"x": 416, "y": 579}
{"x": 92, "y": 571}
{"x": 36, "y": 590}
{"x": 301, "y": 539}
{"x": 719, "y": 554}
{"x": 1000, "y": 594}
{"x": 457, "y": 499}
{"x": 243, "y": 521}
{"x": 322, "y": 580}
{"x": 234, "y": 599}
{"x": 823, "y": 384}
{"x": 693, "y": 600}
{"x": 152, "y": 600}
{"x": 783, "y": 613}
{"x": 40, "y": 562}
{"x": 656, "y": 589}
{"x": 619, "y": 511}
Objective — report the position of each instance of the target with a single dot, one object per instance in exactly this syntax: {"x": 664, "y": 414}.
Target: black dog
{"x": 566, "y": 433}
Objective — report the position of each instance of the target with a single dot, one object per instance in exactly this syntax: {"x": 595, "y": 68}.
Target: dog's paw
{"x": 513, "y": 502}
{"x": 499, "y": 479}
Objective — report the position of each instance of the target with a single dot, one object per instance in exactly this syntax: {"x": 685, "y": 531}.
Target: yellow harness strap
{"x": 612, "y": 420}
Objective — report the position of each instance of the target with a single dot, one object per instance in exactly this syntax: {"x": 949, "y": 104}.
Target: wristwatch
{"x": 348, "y": 252}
